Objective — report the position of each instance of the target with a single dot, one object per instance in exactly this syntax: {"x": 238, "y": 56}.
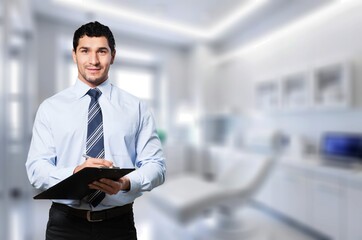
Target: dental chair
{"x": 190, "y": 207}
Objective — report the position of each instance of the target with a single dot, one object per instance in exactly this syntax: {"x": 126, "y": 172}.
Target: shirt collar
{"x": 81, "y": 89}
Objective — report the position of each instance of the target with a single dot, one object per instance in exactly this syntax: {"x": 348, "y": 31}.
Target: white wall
{"x": 331, "y": 35}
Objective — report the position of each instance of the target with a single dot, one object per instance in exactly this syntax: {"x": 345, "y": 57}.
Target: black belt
{"x": 94, "y": 216}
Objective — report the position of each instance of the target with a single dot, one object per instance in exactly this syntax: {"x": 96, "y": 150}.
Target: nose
{"x": 93, "y": 59}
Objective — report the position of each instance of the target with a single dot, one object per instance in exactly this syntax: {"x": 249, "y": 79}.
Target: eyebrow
{"x": 101, "y": 48}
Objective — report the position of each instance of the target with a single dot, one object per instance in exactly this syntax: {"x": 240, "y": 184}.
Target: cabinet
{"x": 294, "y": 192}
{"x": 296, "y": 90}
{"x": 328, "y": 206}
{"x": 268, "y": 191}
{"x": 286, "y": 191}
{"x": 332, "y": 85}
{"x": 267, "y": 95}
{"x": 354, "y": 220}
{"x": 319, "y": 197}
{"x": 327, "y": 86}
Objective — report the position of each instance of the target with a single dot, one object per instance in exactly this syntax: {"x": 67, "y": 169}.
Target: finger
{"x": 106, "y": 163}
{"x": 106, "y": 185}
{"x": 92, "y": 162}
{"x": 101, "y": 187}
{"x": 124, "y": 183}
{"x": 112, "y": 186}
{"x": 93, "y": 186}
{"x": 97, "y": 162}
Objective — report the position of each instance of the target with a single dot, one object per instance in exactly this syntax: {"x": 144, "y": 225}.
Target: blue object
{"x": 342, "y": 145}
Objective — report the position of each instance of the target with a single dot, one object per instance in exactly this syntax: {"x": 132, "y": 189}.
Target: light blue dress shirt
{"x": 130, "y": 141}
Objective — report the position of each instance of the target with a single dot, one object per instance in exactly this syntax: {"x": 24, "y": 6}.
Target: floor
{"x": 263, "y": 225}
{"x": 151, "y": 225}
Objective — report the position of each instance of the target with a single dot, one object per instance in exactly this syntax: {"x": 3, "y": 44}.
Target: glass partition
{"x": 16, "y": 46}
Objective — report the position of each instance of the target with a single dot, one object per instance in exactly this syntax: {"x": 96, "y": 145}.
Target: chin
{"x": 96, "y": 81}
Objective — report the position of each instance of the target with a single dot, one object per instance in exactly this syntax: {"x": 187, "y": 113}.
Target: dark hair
{"x": 94, "y": 29}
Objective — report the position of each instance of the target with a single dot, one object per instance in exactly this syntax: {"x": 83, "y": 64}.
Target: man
{"x": 94, "y": 124}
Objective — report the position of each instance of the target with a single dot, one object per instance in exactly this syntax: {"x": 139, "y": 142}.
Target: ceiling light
{"x": 241, "y": 12}
{"x": 101, "y": 7}
{"x": 172, "y": 26}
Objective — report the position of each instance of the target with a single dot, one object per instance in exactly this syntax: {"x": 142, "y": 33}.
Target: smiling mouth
{"x": 93, "y": 69}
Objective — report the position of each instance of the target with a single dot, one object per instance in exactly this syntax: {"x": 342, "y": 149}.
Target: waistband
{"x": 94, "y": 216}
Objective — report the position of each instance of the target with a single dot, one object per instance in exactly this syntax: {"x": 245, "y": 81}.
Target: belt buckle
{"x": 89, "y": 219}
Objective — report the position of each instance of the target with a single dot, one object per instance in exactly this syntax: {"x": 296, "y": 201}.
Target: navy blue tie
{"x": 95, "y": 139}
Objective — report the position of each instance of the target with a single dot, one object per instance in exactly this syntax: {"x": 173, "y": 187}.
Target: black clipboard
{"x": 76, "y": 186}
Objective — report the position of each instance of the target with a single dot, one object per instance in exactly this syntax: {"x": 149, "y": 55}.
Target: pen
{"x": 86, "y": 156}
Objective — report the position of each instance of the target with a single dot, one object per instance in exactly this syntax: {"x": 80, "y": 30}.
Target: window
{"x": 15, "y": 104}
{"x": 14, "y": 119}
{"x": 138, "y": 82}
{"x": 72, "y": 73}
{"x": 14, "y": 83}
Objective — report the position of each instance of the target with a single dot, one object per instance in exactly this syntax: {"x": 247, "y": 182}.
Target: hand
{"x": 111, "y": 187}
{"x": 93, "y": 162}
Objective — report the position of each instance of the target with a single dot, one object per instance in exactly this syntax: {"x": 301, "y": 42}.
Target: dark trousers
{"x": 63, "y": 226}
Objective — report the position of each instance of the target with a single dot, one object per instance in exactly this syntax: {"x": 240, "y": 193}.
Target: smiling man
{"x": 95, "y": 124}
{"x": 93, "y": 57}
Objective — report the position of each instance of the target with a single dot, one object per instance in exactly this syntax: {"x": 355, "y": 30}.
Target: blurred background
{"x": 221, "y": 76}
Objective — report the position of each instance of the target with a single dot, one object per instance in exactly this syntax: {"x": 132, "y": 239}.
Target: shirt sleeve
{"x": 41, "y": 162}
{"x": 150, "y": 163}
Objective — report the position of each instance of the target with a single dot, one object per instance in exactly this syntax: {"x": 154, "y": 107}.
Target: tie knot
{"x": 94, "y": 93}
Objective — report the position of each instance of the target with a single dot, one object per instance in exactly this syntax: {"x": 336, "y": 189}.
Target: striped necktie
{"x": 95, "y": 140}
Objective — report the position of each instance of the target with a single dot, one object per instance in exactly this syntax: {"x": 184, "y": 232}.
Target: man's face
{"x": 93, "y": 58}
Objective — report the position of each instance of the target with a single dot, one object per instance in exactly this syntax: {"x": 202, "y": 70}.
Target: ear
{"x": 74, "y": 56}
{"x": 113, "y": 56}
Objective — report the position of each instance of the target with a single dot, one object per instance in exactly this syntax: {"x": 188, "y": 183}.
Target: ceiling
{"x": 182, "y": 21}
{"x": 197, "y": 13}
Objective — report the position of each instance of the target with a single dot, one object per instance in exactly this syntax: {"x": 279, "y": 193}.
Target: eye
{"x": 83, "y": 50}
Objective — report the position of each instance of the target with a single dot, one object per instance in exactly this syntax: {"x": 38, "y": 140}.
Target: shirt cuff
{"x": 59, "y": 175}
{"x": 135, "y": 182}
